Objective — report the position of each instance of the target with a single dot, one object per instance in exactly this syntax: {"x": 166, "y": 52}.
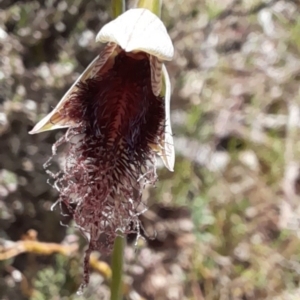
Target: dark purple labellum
{"x": 109, "y": 159}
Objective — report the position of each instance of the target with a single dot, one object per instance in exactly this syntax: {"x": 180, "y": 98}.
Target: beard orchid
{"x": 118, "y": 119}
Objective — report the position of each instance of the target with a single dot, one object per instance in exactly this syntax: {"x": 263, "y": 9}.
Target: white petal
{"x": 139, "y": 30}
{"x": 54, "y": 120}
{"x": 167, "y": 152}
{"x": 156, "y": 74}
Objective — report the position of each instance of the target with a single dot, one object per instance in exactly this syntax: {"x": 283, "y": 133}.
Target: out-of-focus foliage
{"x": 225, "y": 224}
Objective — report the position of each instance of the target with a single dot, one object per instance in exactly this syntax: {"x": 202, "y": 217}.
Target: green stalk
{"x": 116, "y": 287}
{"x": 152, "y": 5}
{"x": 117, "y": 7}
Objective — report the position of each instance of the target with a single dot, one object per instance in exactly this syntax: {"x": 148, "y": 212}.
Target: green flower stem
{"x": 152, "y": 5}
{"x": 117, "y": 7}
{"x": 116, "y": 287}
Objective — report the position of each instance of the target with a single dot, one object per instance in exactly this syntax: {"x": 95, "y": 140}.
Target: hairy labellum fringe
{"x": 109, "y": 160}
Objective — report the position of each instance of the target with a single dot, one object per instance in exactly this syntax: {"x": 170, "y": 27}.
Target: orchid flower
{"x": 118, "y": 118}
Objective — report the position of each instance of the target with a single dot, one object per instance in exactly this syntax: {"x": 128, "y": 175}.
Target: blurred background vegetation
{"x": 225, "y": 224}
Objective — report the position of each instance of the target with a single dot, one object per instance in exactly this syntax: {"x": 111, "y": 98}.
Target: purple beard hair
{"x": 109, "y": 160}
